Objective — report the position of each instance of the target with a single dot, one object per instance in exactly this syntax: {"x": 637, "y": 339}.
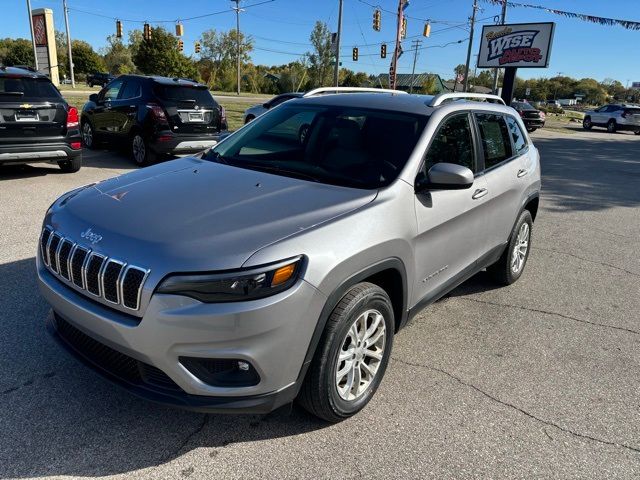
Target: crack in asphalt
{"x": 28, "y": 382}
{"x": 174, "y": 453}
{"x": 519, "y": 409}
{"x": 604, "y": 264}
{"x": 548, "y": 312}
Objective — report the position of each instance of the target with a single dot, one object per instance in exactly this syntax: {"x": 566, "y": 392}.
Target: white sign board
{"x": 521, "y": 45}
{"x": 635, "y": 85}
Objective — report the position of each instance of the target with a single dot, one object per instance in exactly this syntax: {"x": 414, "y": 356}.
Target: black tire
{"x": 502, "y": 271}
{"x": 319, "y": 393}
{"x": 72, "y": 165}
{"x": 586, "y": 123}
{"x": 248, "y": 119}
{"x": 531, "y": 129}
{"x": 303, "y": 133}
{"x": 140, "y": 151}
{"x": 612, "y": 126}
{"x": 89, "y": 138}
{"x": 637, "y": 132}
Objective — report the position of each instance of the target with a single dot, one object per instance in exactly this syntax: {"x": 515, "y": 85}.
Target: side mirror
{"x": 93, "y": 98}
{"x": 266, "y": 105}
{"x": 444, "y": 176}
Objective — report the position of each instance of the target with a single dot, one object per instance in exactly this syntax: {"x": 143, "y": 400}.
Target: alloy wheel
{"x": 87, "y": 134}
{"x": 139, "y": 149}
{"x": 360, "y": 355}
{"x": 520, "y": 249}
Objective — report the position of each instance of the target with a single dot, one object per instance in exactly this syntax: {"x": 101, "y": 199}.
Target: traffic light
{"x": 403, "y": 32}
{"x": 427, "y": 30}
{"x": 197, "y": 47}
{"x": 376, "y": 20}
{"x": 354, "y": 54}
{"x": 146, "y": 31}
{"x": 383, "y": 50}
{"x": 179, "y": 30}
{"x": 180, "y": 45}
{"x": 118, "y": 29}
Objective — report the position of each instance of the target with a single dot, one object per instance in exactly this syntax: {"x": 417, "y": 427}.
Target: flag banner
{"x": 628, "y": 24}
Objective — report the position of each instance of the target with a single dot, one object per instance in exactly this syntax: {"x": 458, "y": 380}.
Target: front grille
{"x": 116, "y": 363}
{"x": 113, "y": 280}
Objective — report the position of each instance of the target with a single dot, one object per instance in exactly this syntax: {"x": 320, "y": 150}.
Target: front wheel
{"x": 586, "y": 123}
{"x": 352, "y": 355}
{"x": 140, "y": 151}
{"x": 511, "y": 264}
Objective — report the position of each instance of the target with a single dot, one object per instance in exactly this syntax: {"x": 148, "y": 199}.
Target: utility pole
{"x": 33, "y": 37}
{"x": 503, "y": 19}
{"x": 238, "y": 10}
{"x": 336, "y": 67}
{"x": 473, "y": 24}
{"x": 393, "y": 70}
{"x": 416, "y": 44}
{"x": 66, "y": 22}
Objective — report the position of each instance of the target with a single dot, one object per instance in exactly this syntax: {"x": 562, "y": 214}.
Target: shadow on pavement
{"x": 590, "y": 175}
{"x": 60, "y": 418}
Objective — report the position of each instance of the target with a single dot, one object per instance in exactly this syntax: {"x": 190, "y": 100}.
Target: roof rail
{"x": 439, "y": 99}
{"x": 321, "y": 90}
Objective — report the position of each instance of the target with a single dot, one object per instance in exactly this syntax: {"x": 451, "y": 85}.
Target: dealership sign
{"x": 521, "y": 45}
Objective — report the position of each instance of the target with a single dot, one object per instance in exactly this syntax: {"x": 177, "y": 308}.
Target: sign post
{"x": 513, "y": 46}
{"x": 45, "y": 40}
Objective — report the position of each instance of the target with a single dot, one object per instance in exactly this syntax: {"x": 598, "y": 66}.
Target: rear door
{"x": 190, "y": 108}
{"x": 506, "y": 164}
{"x": 30, "y": 109}
{"x": 124, "y": 109}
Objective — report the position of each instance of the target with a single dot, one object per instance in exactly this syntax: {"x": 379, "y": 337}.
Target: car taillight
{"x": 223, "y": 113}
{"x": 541, "y": 114}
{"x": 521, "y": 113}
{"x": 72, "y": 118}
{"x": 76, "y": 145}
{"x": 157, "y": 111}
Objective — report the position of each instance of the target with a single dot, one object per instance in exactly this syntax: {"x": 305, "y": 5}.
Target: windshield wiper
{"x": 283, "y": 171}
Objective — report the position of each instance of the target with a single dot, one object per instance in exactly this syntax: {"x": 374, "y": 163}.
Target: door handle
{"x": 522, "y": 172}
{"x": 479, "y": 193}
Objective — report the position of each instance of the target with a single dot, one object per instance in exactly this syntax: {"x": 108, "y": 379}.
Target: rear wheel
{"x": 352, "y": 356}
{"x": 140, "y": 151}
{"x": 511, "y": 264}
{"x": 611, "y": 126}
{"x": 531, "y": 129}
{"x": 71, "y": 166}
{"x": 586, "y": 123}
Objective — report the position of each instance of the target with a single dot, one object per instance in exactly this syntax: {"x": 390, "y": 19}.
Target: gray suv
{"x": 275, "y": 267}
{"x": 613, "y": 118}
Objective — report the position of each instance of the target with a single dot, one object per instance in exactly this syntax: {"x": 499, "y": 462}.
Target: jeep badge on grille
{"x": 90, "y": 236}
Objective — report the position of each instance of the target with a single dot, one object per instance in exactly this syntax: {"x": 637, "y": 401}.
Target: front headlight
{"x": 237, "y": 286}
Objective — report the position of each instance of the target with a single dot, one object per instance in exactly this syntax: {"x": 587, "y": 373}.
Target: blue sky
{"x": 281, "y": 30}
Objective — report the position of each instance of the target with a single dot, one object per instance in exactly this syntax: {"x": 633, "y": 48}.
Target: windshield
{"x": 345, "y": 146}
{"x": 184, "y": 93}
{"x": 33, "y": 89}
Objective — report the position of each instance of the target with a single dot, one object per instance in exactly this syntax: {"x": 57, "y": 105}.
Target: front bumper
{"x": 272, "y": 334}
{"x": 36, "y": 152}
{"x": 182, "y": 144}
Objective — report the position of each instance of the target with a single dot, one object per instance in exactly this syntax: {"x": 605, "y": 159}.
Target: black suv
{"x": 532, "y": 117}
{"x": 36, "y": 123}
{"x": 153, "y": 116}
{"x": 98, "y": 78}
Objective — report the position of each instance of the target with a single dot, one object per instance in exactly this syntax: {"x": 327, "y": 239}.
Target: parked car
{"x": 258, "y": 109}
{"x": 532, "y": 117}
{"x": 273, "y": 268}
{"x": 98, "y": 78}
{"x": 36, "y": 123}
{"x": 614, "y": 117}
{"x": 153, "y": 116}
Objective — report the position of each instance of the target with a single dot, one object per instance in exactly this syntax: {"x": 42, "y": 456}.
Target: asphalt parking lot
{"x": 537, "y": 380}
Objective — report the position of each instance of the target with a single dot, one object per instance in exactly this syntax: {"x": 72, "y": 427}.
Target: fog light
{"x": 243, "y": 366}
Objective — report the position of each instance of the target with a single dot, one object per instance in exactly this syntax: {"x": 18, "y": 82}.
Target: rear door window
{"x": 519, "y": 140}
{"x": 496, "y": 142}
{"x": 453, "y": 143}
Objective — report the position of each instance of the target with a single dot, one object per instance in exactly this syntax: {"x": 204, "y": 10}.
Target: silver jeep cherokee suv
{"x": 276, "y": 267}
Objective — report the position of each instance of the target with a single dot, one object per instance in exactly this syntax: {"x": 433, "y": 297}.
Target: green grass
{"x": 242, "y": 94}
{"x": 234, "y": 109}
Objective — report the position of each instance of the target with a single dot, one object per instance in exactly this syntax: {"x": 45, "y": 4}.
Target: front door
{"x": 102, "y": 118}
{"x": 451, "y": 224}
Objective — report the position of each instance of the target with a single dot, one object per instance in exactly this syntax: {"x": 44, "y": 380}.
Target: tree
{"x": 349, "y": 78}
{"x": 61, "y": 52}
{"x": 117, "y": 57}
{"x": 219, "y": 54}
{"x": 16, "y": 52}
{"x": 429, "y": 85}
{"x": 85, "y": 59}
{"x": 160, "y": 55}
{"x": 321, "y": 59}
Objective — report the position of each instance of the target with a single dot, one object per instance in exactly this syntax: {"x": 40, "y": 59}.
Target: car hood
{"x": 196, "y": 215}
